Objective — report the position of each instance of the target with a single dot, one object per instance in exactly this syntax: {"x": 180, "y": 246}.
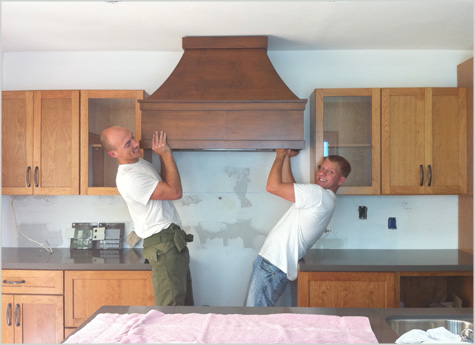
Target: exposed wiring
{"x": 47, "y": 247}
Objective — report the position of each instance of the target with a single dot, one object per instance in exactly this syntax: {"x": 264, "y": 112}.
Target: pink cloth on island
{"x": 157, "y": 327}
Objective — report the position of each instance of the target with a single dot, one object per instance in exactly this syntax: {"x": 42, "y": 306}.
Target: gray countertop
{"x": 343, "y": 260}
{"x": 74, "y": 259}
{"x": 377, "y": 316}
{"x": 385, "y": 260}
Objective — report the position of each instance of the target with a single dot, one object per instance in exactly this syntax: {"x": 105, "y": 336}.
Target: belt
{"x": 171, "y": 234}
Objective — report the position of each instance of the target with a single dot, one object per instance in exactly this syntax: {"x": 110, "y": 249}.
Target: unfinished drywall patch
{"x": 229, "y": 235}
{"x": 241, "y": 175}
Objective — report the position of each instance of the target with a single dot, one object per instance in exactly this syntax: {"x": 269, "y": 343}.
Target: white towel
{"x": 434, "y": 335}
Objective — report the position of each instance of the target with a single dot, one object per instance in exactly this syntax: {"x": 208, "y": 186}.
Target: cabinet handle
{"x": 17, "y": 319}
{"x": 36, "y": 177}
{"x": 23, "y": 281}
{"x": 422, "y": 175}
{"x": 430, "y": 175}
{"x": 9, "y": 314}
{"x": 28, "y": 172}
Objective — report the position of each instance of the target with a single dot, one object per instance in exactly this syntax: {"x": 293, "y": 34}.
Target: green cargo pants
{"x": 166, "y": 251}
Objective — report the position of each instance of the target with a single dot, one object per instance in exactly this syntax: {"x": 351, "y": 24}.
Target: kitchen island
{"x": 377, "y": 317}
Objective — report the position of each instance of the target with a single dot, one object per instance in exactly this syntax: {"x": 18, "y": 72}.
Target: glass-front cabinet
{"x": 346, "y": 122}
{"x": 100, "y": 109}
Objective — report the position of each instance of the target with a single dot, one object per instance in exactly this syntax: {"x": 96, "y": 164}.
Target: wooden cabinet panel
{"x": 346, "y": 289}
{"x": 424, "y": 141}
{"x": 40, "y": 318}
{"x": 40, "y": 152}
{"x": 32, "y": 282}
{"x": 17, "y": 142}
{"x": 8, "y": 328}
{"x": 56, "y": 142}
{"x": 87, "y": 291}
{"x": 32, "y": 306}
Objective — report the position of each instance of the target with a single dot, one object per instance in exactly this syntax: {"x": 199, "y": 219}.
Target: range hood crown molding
{"x": 224, "y": 94}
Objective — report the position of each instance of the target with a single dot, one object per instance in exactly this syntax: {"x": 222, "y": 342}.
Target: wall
{"x": 225, "y": 203}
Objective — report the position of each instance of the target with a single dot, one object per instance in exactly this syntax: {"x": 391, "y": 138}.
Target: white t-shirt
{"x": 136, "y": 183}
{"x": 300, "y": 227}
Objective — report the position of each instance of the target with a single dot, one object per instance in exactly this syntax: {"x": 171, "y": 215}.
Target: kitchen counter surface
{"x": 377, "y": 316}
{"x": 329, "y": 260}
{"x": 385, "y": 260}
{"x": 74, "y": 259}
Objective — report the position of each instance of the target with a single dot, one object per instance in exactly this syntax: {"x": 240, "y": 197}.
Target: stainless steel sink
{"x": 454, "y": 323}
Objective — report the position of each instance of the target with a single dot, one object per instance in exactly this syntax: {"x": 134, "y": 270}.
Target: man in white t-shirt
{"x": 148, "y": 197}
{"x": 300, "y": 227}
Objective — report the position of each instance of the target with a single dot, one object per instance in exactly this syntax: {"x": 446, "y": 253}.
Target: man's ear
{"x": 112, "y": 154}
{"x": 341, "y": 180}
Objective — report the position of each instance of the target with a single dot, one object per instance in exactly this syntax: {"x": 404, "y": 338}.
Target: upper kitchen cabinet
{"x": 40, "y": 142}
{"x": 100, "y": 109}
{"x": 424, "y": 141}
{"x": 346, "y": 122}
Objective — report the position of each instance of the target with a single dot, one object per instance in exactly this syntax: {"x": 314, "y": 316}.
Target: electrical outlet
{"x": 392, "y": 223}
{"x": 363, "y": 212}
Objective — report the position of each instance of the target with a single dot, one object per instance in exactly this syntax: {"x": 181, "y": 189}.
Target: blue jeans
{"x": 268, "y": 283}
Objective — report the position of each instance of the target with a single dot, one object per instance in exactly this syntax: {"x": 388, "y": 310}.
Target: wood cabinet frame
{"x": 86, "y": 137}
{"x": 45, "y": 126}
{"x": 417, "y": 157}
{"x": 87, "y": 291}
{"x": 317, "y": 135}
{"x": 32, "y": 306}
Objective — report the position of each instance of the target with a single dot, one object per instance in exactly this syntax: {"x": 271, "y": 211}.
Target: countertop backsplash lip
{"x": 324, "y": 260}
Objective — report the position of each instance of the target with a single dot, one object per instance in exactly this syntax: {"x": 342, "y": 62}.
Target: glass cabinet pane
{"x": 347, "y": 132}
{"x": 101, "y": 109}
{"x": 346, "y": 122}
{"x": 104, "y": 112}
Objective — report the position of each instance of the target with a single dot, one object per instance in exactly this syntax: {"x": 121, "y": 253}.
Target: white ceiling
{"x": 290, "y": 25}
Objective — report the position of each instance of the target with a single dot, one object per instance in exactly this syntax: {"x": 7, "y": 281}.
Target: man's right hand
{"x": 159, "y": 143}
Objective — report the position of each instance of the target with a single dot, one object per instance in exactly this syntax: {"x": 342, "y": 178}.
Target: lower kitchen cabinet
{"x": 87, "y": 291}
{"x": 346, "y": 289}
{"x": 385, "y": 289}
{"x": 32, "y": 306}
{"x": 424, "y": 289}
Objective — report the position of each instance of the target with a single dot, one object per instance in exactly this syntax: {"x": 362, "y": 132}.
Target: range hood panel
{"x": 224, "y": 94}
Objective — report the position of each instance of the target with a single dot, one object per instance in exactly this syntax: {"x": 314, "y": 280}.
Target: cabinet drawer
{"x": 32, "y": 282}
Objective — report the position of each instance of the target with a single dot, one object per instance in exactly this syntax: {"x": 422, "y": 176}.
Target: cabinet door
{"x": 446, "y": 141}
{"x": 346, "y": 289}
{"x": 346, "y": 122}
{"x": 38, "y": 319}
{"x": 101, "y": 109}
{"x": 403, "y": 126}
{"x": 56, "y": 142}
{"x": 32, "y": 319}
{"x": 424, "y": 141}
{"x": 8, "y": 327}
{"x": 17, "y": 142}
{"x": 87, "y": 291}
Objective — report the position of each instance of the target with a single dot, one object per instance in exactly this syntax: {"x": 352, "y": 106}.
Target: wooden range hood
{"x": 224, "y": 94}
